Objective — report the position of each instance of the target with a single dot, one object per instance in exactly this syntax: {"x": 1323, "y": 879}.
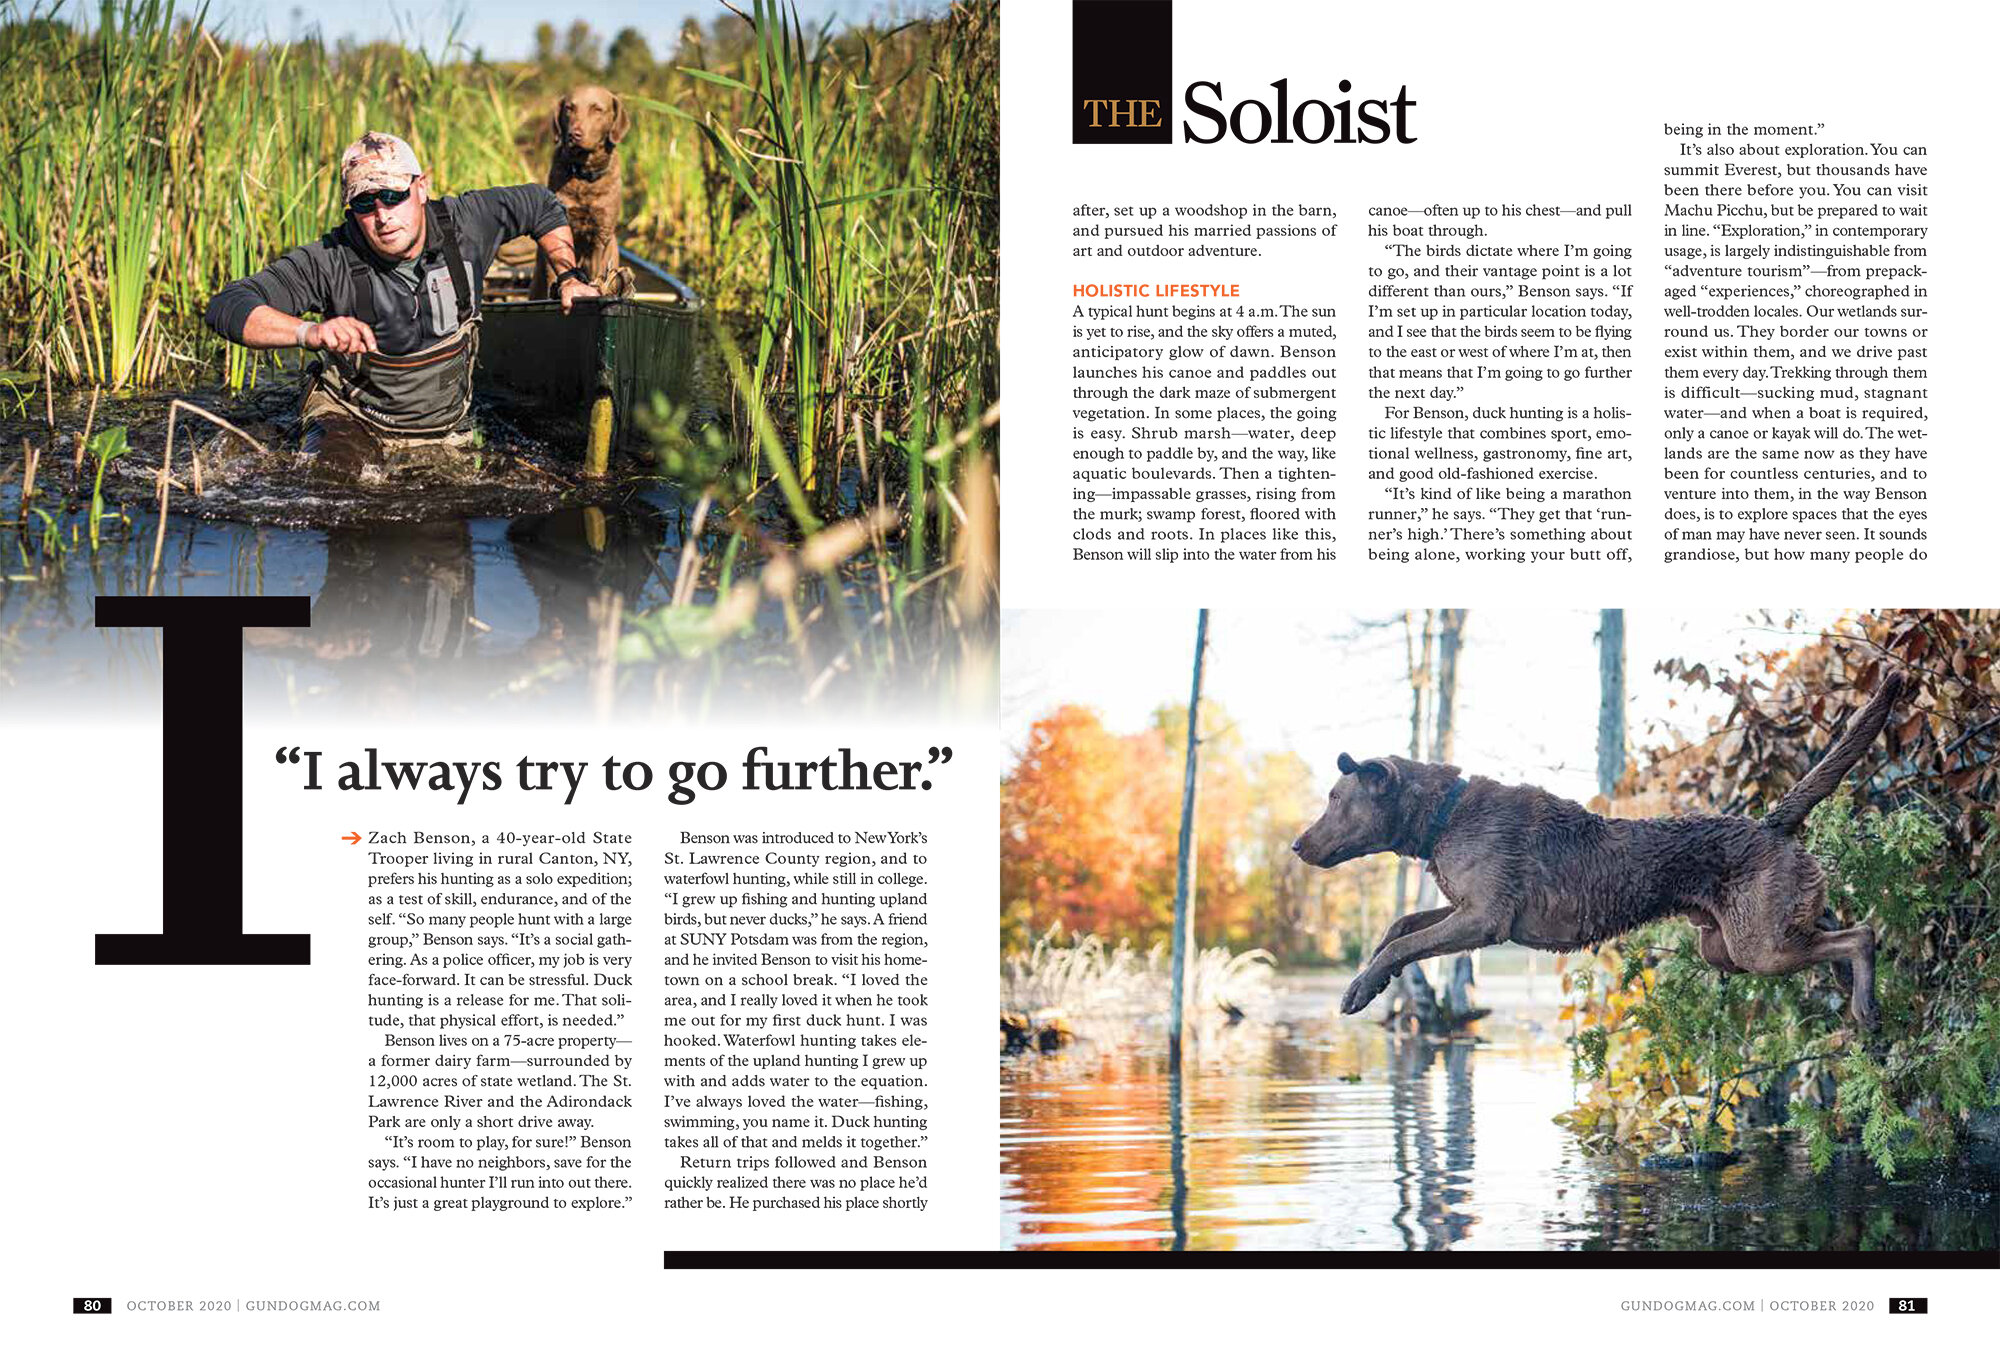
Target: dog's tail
{"x": 1821, "y": 781}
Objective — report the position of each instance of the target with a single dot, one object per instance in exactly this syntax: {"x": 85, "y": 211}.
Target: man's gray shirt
{"x": 315, "y": 278}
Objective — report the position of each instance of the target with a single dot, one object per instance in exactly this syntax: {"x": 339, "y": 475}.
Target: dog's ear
{"x": 621, "y": 121}
{"x": 1378, "y": 774}
{"x": 558, "y": 123}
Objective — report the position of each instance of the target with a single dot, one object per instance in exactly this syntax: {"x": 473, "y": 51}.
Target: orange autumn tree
{"x": 1089, "y": 823}
{"x": 1085, "y": 834}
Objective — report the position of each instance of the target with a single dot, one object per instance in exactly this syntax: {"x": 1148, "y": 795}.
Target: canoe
{"x": 600, "y": 363}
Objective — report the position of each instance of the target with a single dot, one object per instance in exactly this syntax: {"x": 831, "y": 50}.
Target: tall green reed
{"x": 869, "y": 164}
{"x": 105, "y": 448}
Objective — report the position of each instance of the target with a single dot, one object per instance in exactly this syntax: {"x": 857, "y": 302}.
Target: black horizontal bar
{"x": 219, "y": 610}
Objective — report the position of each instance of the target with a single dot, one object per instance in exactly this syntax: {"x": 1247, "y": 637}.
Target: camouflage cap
{"x": 377, "y": 160}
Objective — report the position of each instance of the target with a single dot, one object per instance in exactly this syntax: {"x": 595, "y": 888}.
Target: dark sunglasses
{"x": 361, "y": 204}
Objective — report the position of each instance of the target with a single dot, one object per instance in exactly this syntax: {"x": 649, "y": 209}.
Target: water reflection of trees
{"x": 1432, "y": 1161}
{"x": 1259, "y": 1140}
{"x": 1270, "y": 1143}
{"x": 1085, "y": 1139}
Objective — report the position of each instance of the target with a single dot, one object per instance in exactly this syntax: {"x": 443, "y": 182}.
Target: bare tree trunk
{"x": 1184, "y": 869}
{"x": 1419, "y": 664}
{"x": 1610, "y": 716}
{"x": 1444, "y": 701}
{"x": 1413, "y": 999}
{"x": 1611, "y": 699}
{"x": 1461, "y": 971}
{"x": 1451, "y": 635}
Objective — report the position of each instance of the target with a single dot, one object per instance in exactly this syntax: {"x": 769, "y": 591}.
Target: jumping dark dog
{"x": 1519, "y": 864}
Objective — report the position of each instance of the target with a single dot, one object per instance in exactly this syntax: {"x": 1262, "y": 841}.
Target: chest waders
{"x": 422, "y": 394}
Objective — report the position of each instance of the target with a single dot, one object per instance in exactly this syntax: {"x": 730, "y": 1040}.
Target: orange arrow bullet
{"x": 351, "y": 837}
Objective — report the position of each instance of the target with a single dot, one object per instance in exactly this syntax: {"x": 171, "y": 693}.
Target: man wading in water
{"x": 398, "y": 286}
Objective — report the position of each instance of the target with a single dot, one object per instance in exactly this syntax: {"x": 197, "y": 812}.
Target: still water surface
{"x": 1300, "y": 1129}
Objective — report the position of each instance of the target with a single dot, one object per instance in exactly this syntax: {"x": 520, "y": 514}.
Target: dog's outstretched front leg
{"x": 1460, "y": 931}
{"x": 1411, "y": 922}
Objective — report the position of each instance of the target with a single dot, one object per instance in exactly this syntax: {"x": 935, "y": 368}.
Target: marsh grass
{"x": 869, "y": 165}
{"x": 1086, "y": 976}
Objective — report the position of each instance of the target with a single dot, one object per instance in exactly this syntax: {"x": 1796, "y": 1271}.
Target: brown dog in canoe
{"x": 1517, "y": 863}
{"x": 587, "y": 125}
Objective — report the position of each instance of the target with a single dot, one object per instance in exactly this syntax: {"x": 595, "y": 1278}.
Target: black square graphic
{"x": 1121, "y": 72}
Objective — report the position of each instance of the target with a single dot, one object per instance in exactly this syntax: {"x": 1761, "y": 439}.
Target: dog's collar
{"x": 1442, "y": 818}
{"x": 575, "y": 170}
